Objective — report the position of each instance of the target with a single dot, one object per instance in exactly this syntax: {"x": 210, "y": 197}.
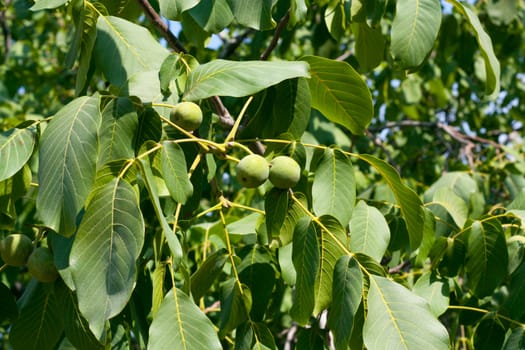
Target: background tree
{"x": 394, "y": 220}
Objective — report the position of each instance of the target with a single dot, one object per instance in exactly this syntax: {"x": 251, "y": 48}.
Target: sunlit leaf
{"x": 408, "y": 201}
{"x": 237, "y": 79}
{"x": 435, "y": 291}
{"x": 172, "y": 9}
{"x": 392, "y": 314}
{"x": 455, "y": 206}
{"x": 492, "y": 66}
{"x": 212, "y": 15}
{"x": 333, "y": 190}
{"x": 253, "y": 14}
{"x": 68, "y": 155}
{"x": 16, "y": 146}
{"x": 414, "y": 30}
{"x": 180, "y": 324}
{"x": 340, "y": 94}
{"x": 369, "y": 231}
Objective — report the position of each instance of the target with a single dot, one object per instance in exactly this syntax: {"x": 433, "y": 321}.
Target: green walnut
{"x": 187, "y": 115}
{"x": 15, "y": 249}
{"x": 41, "y": 265}
{"x": 252, "y": 171}
{"x": 284, "y": 172}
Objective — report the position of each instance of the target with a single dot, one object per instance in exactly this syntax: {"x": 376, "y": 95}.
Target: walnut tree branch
{"x": 275, "y": 39}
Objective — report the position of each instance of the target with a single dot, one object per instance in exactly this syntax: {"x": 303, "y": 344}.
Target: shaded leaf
{"x": 237, "y": 79}
{"x": 489, "y": 334}
{"x": 369, "y": 231}
{"x": 333, "y": 189}
{"x": 487, "y": 257}
{"x": 172, "y": 9}
{"x": 180, "y": 324}
{"x": 455, "y": 206}
{"x": 392, "y": 311}
{"x": 40, "y": 324}
{"x": 207, "y": 273}
{"x": 414, "y": 30}
{"x": 8, "y": 308}
{"x": 104, "y": 253}
{"x": 340, "y": 94}
{"x": 276, "y": 208}
{"x": 346, "y": 297}
{"x": 515, "y": 339}
{"x": 236, "y": 301}
{"x": 369, "y": 46}
{"x": 305, "y": 257}
{"x": 332, "y": 240}
{"x": 212, "y": 15}
{"x": 67, "y": 163}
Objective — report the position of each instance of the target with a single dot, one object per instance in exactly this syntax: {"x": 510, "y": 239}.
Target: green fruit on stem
{"x": 41, "y": 265}
{"x": 187, "y": 115}
{"x": 252, "y": 171}
{"x": 15, "y": 249}
{"x": 284, "y": 172}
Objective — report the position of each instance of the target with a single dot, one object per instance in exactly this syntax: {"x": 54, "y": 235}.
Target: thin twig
{"x": 233, "y": 44}
{"x": 161, "y": 26}
{"x": 282, "y": 23}
{"x": 225, "y": 119}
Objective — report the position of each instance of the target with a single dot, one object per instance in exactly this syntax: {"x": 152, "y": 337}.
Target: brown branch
{"x": 233, "y": 44}
{"x": 275, "y": 39}
{"x": 225, "y": 119}
{"x": 161, "y": 26}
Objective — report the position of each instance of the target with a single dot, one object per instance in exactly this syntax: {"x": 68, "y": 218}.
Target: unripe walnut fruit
{"x": 41, "y": 265}
{"x": 15, "y": 249}
{"x": 284, "y": 172}
{"x": 187, "y": 115}
{"x": 252, "y": 171}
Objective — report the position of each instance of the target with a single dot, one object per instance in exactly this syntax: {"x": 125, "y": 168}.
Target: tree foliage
{"x": 405, "y": 230}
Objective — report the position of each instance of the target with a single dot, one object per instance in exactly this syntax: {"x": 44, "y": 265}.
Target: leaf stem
{"x": 230, "y": 250}
{"x": 483, "y": 311}
{"x": 233, "y": 131}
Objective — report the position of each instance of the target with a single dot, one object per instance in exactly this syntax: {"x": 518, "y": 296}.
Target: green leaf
{"x": 105, "y": 250}
{"x": 118, "y": 130}
{"x": 435, "y": 291}
{"x": 237, "y": 79}
{"x": 169, "y": 71}
{"x": 335, "y": 19}
{"x": 402, "y": 319}
{"x": 40, "y": 324}
{"x": 408, "y": 201}
{"x": 514, "y": 305}
{"x": 346, "y": 297}
{"x": 253, "y": 14}
{"x": 298, "y": 11}
{"x": 492, "y": 66}
{"x": 294, "y": 213}
{"x": 180, "y": 324}
{"x": 333, "y": 189}
{"x": 515, "y": 339}
{"x": 207, "y": 273}
{"x": 369, "y": 46}
{"x": 47, "y": 4}
{"x": 276, "y": 209}
{"x": 16, "y": 147}
{"x": 489, "y": 334}
{"x": 455, "y": 206}
{"x": 236, "y": 303}
{"x": 10, "y": 191}
{"x": 487, "y": 257}
{"x": 172, "y": 9}
{"x": 75, "y": 325}
{"x": 174, "y": 172}
{"x": 8, "y": 308}
{"x": 260, "y": 279}
{"x": 123, "y": 49}
{"x": 340, "y": 94}
{"x": 414, "y": 30}
{"x": 332, "y": 241}
{"x": 369, "y": 231}
{"x": 305, "y": 257}
{"x": 173, "y": 241}
{"x": 212, "y": 15}
{"x": 285, "y": 109}
{"x": 67, "y": 162}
